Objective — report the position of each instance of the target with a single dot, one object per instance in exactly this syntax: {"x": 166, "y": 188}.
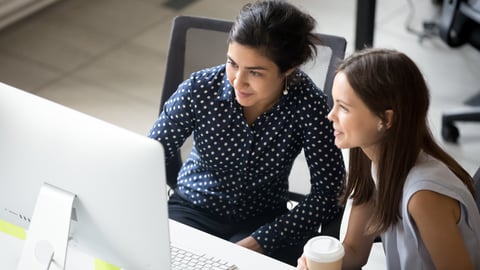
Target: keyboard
{"x": 191, "y": 260}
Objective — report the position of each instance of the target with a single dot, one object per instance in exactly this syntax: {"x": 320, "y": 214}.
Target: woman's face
{"x": 257, "y": 80}
{"x": 354, "y": 124}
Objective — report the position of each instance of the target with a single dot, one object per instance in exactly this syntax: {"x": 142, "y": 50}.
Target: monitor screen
{"x": 117, "y": 178}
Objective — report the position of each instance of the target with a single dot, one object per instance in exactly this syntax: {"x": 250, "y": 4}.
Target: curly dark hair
{"x": 281, "y": 31}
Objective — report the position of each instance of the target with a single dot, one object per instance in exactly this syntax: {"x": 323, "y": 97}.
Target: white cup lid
{"x": 324, "y": 249}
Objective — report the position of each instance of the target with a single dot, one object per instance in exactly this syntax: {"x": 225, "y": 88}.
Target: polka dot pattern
{"x": 239, "y": 171}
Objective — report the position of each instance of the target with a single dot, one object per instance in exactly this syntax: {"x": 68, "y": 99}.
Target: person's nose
{"x": 331, "y": 114}
{"x": 240, "y": 79}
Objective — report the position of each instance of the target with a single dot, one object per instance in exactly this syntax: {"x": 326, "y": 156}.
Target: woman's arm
{"x": 357, "y": 242}
{"x": 175, "y": 123}
{"x": 436, "y": 217}
{"x": 250, "y": 243}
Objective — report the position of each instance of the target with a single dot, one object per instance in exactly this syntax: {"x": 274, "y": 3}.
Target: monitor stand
{"x": 47, "y": 236}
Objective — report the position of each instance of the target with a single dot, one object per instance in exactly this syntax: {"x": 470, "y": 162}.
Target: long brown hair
{"x": 389, "y": 80}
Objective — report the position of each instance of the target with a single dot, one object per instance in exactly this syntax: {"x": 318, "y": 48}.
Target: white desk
{"x": 185, "y": 237}
{"x": 189, "y": 238}
{"x": 182, "y": 235}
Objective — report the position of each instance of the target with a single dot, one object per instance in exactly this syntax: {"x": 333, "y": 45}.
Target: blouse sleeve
{"x": 175, "y": 123}
{"x": 327, "y": 172}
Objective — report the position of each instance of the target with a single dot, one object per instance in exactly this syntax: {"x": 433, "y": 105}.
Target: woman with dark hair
{"x": 403, "y": 186}
{"x": 250, "y": 118}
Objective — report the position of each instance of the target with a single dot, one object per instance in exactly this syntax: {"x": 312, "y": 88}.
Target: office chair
{"x": 460, "y": 24}
{"x": 199, "y": 42}
{"x": 476, "y": 182}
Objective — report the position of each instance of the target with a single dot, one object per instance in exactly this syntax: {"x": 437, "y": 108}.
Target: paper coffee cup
{"x": 324, "y": 253}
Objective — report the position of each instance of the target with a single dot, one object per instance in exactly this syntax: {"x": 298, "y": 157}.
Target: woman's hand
{"x": 250, "y": 243}
{"x": 302, "y": 263}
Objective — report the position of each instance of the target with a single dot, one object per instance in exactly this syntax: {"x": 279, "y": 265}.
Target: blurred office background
{"x": 106, "y": 57}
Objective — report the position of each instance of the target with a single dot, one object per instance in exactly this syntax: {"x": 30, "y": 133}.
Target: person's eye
{"x": 343, "y": 107}
{"x": 231, "y": 63}
{"x": 255, "y": 73}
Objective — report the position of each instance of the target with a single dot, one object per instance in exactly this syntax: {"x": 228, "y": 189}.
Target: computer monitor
{"x": 115, "y": 179}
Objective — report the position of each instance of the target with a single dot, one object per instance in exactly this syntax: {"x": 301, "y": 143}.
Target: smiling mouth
{"x": 243, "y": 94}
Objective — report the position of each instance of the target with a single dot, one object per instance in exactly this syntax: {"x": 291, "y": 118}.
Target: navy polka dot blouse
{"x": 237, "y": 170}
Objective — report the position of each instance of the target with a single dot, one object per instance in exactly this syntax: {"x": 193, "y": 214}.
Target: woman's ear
{"x": 388, "y": 116}
{"x": 290, "y": 71}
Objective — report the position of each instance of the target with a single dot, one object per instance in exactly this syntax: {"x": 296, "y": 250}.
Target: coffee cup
{"x": 324, "y": 253}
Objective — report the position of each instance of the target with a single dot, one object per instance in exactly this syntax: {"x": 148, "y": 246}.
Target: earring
{"x": 285, "y": 91}
{"x": 380, "y": 127}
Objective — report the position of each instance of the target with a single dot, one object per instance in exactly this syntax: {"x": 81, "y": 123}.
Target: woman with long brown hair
{"x": 403, "y": 186}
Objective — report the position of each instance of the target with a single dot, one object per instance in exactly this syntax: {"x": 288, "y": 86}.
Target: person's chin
{"x": 244, "y": 102}
{"x": 340, "y": 143}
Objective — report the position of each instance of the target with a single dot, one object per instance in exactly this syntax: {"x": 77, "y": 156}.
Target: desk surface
{"x": 189, "y": 238}
{"x": 182, "y": 236}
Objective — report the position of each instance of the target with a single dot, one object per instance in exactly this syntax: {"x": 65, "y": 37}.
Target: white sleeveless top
{"x": 404, "y": 249}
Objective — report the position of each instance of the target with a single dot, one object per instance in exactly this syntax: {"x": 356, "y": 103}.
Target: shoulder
{"x": 430, "y": 209}
{"x": 303, "y": 83}
{"x": 432, "y": 188}
{"x": 305, "y": 91}
{"x": 424, "y": 202}
{"x": 209, "y": 74}
{"x": 207, "y": 82}
{"x": 432, "y": 174}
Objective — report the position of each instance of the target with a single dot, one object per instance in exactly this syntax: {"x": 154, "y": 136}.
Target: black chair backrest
{"x": 195, "y": 43}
